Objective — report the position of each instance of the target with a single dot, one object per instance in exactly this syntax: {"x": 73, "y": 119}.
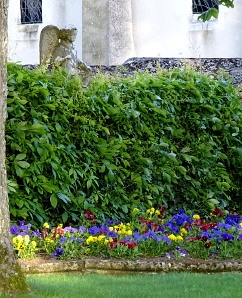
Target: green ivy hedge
{"x": 171, "y": 139}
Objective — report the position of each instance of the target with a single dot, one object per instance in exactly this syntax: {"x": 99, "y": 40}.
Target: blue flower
{"x": 58, "y": 252}
{"x": 227, "y": 237}
{"x": 240, "y": 237}
{"x": 233, "y": 219}
{"x": 14, "y": 230}
{"x": 82, "y": 229}
{"x": 225, "y": 226}
{"x": 112, "y": 234}
{"x": 112, "y": 222}
{"x": 21, "y": 223}
{"x": 62, "y": 240}
{"x": 127, "y": 238}
{"x": 79, "y": 240}
{"x": 172, "y": 227}
{"x": 94, "y": 230}
{"x": 36, "y": 233}
{"x": 183, "y": 252}
{"x": 24, "y": 233}
{"x": 71, "y": 230}
{"x": 164, "y": 239}
{"x": 137, "y": 237}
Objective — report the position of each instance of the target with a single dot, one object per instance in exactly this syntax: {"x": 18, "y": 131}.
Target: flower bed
{"x": 148, "y": 234}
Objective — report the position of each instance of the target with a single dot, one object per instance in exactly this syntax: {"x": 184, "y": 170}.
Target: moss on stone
{"x": 12, "y": 279}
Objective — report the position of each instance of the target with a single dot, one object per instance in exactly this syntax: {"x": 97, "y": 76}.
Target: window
{"x": 200, "y": 6}
{"x": 31, "y": 11}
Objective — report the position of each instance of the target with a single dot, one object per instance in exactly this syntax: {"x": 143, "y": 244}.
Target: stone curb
{"x": 126, "y": 266}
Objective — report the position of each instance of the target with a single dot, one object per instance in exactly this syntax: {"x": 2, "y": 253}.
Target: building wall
{"x": 24, "y": 38}
{"x": 162, "y": 30}
{"x": 111, "y": 31}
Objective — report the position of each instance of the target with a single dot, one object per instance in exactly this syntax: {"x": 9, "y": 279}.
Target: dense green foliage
{"x": 172, "y": 139}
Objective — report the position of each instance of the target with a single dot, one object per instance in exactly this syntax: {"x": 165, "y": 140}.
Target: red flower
{"x": 113, "y": 244}
{"x": 198, "y": 222}
{"x": 187, "y": 226}
{"x": 162, "y": 210}
{"x": 44, "y": 233}
{"x": 89, "y": 215}
{"x": 193, "y": 238}
{"x": 218, "y": 212}
{"x": 60, "y": 231}
{"x": 204, "y": 238}
{"x": 205, "y": 227}
{"x": 132, "y": 244}
{"x": 208, "y": 244}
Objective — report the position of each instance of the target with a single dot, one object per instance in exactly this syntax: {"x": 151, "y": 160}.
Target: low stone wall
{"x": 231, "y": 66}
{"x": 116, "y": 266}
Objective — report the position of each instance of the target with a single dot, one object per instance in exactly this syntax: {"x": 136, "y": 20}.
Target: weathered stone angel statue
{"x": 57, "y": 48}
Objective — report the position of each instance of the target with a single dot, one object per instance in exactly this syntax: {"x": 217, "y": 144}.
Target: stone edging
{"x": 115, "y": 266}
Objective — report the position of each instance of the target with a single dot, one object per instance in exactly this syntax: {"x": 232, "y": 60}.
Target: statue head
{"x": 68, "y": 33}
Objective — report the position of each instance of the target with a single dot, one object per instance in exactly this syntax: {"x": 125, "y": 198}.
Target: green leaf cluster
{"x": 173, "y": 138}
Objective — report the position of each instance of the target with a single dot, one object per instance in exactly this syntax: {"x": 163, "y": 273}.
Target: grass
{"x": 169, "y": 285}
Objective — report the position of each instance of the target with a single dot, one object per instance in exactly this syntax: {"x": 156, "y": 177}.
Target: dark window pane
{"x": 200, "y": 6}
{"x": 31, "y": 11}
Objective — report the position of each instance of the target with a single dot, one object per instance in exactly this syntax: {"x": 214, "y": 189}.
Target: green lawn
{"x": 172, "y": 285}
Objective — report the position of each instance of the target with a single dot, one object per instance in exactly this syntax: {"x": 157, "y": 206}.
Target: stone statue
{"x": 57, "y": 48}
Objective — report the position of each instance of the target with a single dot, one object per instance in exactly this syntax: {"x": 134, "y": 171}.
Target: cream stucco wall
{"x": 24, "y": 39}
{"x": 111, "y": 31}
{"x": 170, "y": 30}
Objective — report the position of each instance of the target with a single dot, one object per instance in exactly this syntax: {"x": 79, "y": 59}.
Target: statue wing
{"x": 49, "y": 41}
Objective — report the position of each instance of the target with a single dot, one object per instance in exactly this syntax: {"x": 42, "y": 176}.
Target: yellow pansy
{"x": 14, "y": 240}
{"x": 183, "y": 231}
{"x": 196, "y": 216}
{"x": 19, "y": 238}
{"x": 20, "y": 246}
{"x": 87, "y": 251}
{"x": 26, "y": 239}
{"x": 100, "y": 238}
{"x": 122, "y": 232}
{"x": 49, "y": 240}
{"x": 152, "y": 210}
{"x": 157, "y": 212}
{"x": 46, "y": 225}
{"x": 172, "y": 237}
{"x": 91, "y": 239}
{"x": 33, "y": 243}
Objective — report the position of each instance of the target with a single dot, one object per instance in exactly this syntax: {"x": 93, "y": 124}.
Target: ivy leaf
{"x": 23, "y": 164}
{"x": 20, "y": 156}
{"x": 53, "y": 200}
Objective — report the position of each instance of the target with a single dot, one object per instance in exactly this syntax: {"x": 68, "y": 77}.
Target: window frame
{"x": 28, "y": 14}
{"x": 201, "y": 6}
